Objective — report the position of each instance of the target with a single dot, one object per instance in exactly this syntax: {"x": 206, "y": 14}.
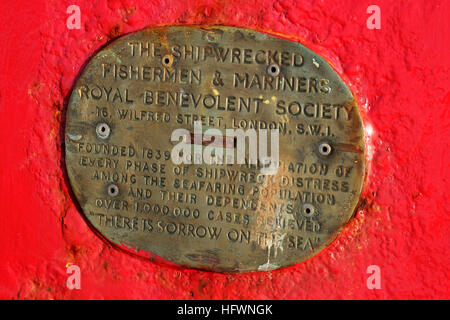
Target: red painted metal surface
{"x": 399, "y": 73}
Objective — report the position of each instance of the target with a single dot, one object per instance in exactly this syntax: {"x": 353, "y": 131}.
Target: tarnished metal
{"x": 231, "y": 218}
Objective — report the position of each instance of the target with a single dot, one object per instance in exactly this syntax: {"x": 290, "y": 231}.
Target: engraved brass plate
{"x": 231, "y": 218}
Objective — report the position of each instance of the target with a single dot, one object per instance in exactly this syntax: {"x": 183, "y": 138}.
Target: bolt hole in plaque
{"x": 286, "y": 125}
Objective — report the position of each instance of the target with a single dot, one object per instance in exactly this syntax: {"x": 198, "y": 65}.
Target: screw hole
{"x": 273, "y": 70}
{"x": 308, "y": 210}
{"x": 167, "y": 60}
{"x": 210, "y": 37}
{"x": 113, "y": 190}
{"x": 325, "y": 149}
{"x": 103, "y": 130}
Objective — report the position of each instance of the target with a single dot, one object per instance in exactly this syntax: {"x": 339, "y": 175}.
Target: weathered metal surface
{"x": 134, "y": 93}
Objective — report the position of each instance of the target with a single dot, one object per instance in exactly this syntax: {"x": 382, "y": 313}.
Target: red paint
{"x": 400, "y": 75}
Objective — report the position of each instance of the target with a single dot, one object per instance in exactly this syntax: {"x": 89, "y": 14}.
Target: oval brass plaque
{"x": 233, "y": 217}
